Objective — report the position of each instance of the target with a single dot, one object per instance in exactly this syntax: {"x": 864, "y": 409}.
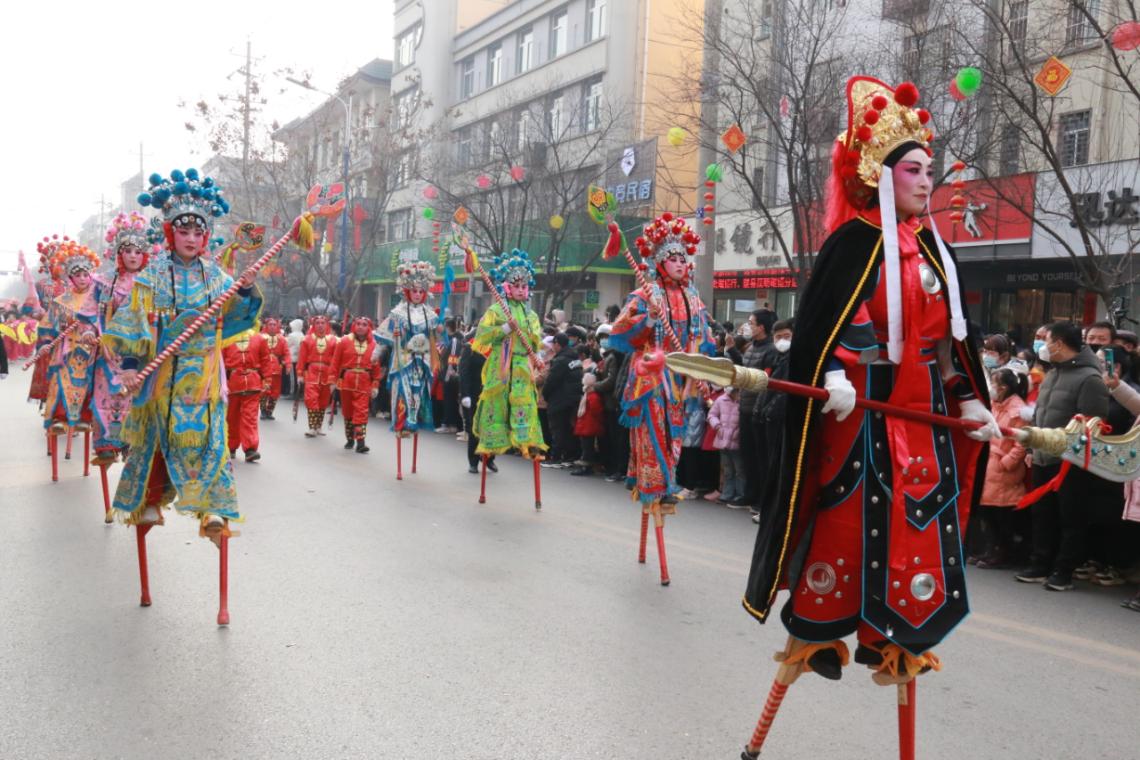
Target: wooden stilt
{"x": 659, "y": 524}
{"x": 69, "y": 434}
{"x": 144, "y": 578}
{"x": 399, "y": 457}
{"x": 86, "y": 453}
{"x": 415, "y": 450}
{"x": 785, "y": 677}
{"x": 644, "y": 535}
{"x": 224, "y": 577}
{"x": 53, "y": 444}
{"x": 483, "y": 483}
{"x": 107, "y": 518}
{"x": 906, "y": 695}
{"x": 537, "y": 484}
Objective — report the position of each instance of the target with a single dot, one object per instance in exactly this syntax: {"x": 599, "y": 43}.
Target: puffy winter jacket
{"x": 1072, "y": 387}
{"x": 725, "y": 419}
{"x": 1005, "y": 473}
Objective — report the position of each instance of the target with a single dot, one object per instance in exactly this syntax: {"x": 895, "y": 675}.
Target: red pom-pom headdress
{"x": 665, "y": 236}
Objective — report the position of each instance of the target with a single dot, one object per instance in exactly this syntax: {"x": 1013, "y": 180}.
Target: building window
{"x": 400, "y": 225}
{"x": 495, "y": 145}
{"x": 406, "y": 45}
{"x": 464, "y": 147}
{"x": 1018, "y": 21}
{"x": 592, "y": 106}
{"x": 522, "y": 125}
{"x": 404, "y": 107}
{"x": 1079, "y": 29}
{"x": 559, "y": 25}
{"x": 401, "y": 172}
{"x": 494, "y": 65}
{"x": 467, "y": 77}
{"x": 524, "y": 56}
{"x": 595, "y": 19}
{"x": 1010, "y": 147}
{"x": 1074, "y": 146}
{"x": 554, "y": 117}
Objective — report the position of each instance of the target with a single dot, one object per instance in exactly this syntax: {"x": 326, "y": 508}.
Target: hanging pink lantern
{"x": 483, "y": 181}
{"x": 518, "y": 174}
{"x": 1126, "y": 36}
{"x": 431, "y": 193}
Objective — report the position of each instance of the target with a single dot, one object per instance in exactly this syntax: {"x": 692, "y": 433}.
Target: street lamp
{"x": 342, "y": 274}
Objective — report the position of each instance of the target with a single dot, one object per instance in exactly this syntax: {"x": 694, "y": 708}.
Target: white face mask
{"x": 1043, "y": 353}
{"x": 782, "y": 345}
{"x": 746, "y": 330}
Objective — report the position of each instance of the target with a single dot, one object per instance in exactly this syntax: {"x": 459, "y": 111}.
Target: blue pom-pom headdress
{"x": 512, "y": 267}
{"x": 185, "y": 193}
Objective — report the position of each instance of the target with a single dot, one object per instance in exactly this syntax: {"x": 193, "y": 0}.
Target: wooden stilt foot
{"x": 785, "y": 677}
{"x": 415, "y": 450}
{"x": 483, "y": 483}
{"x": 659, "y": 524}
{"x": 67, "y": 452}
{"x": 144, "y": 577}
{"x": 54, "y": 446}
{"x": 537, "y": 484}
{"x": 224, "y": 578}
{"x": 399, "y": 457}
{"x": 86, "y": 453}
{"x": 644, "y": 535}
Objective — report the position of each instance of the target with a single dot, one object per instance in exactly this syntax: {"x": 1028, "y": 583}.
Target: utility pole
{"x": 245, "y": 108}
{"x": 710, "y": 64}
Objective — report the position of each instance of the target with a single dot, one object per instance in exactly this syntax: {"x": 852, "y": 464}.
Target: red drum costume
{"x": 356, "y": 366}
{"x": 247, "y": 367}
{"x": 280, "y": 359}
{"x": 315, "y": 370}
{"x": 865, "y": 530}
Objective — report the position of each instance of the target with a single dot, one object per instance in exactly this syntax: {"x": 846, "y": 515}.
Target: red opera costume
{"x": 865, "y": 525}
{"x": 356, "y": 366}
{"x": 280, "y": 359}
{"x": 247, "y": 367}
{"x": 315, "y": 370}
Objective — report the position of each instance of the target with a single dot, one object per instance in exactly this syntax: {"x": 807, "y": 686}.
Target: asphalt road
{"x": 380, "y": 619}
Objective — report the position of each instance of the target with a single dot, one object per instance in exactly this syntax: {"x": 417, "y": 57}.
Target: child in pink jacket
{"x": 724, "y": 418}
{"x": 1005, "y": 473}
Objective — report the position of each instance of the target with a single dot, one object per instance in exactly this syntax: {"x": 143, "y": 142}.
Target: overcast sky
{"x": 85, "y": 83}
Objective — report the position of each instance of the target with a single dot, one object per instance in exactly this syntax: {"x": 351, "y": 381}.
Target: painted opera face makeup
{"x": 190, "y": 238}
{"x": 914, "y": 180}
{"x": 361, "y": 327}
{"x": 416, "y": 296}
{"x": 80, "y": 280}
{"x": 676, "y": 267}
{"x": 131, "y": 258}
{"x": 518, "y": 290}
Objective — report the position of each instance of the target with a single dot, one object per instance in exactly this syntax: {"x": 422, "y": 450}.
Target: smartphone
{"x": 1109, "y": 357}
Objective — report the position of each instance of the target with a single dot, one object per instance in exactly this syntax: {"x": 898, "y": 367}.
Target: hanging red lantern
{"x": 1126, "y": 36}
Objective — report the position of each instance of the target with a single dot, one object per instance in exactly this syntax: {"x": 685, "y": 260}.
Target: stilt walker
{"x": 246, "y": 358}
{"x": 356, "y": 366}
{"x": 130, "y": 246}
{"x": 408, "y": 337}
{"x": 506, "y": 416}
{"x": 176, "y": 426}
{"x": 864, "y": 530}
{"x": 315, "y": 371}
{"x": 280, "y": 360}
{"x": 69, "y": 335}
{"x": 666, "y": 311}
{"x": 40, "y": 294}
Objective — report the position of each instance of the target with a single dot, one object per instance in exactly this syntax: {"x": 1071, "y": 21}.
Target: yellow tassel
{"x": 303, "y": 232}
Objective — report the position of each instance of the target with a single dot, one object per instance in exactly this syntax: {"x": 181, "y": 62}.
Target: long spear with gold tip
{"x": 317, "y": 204}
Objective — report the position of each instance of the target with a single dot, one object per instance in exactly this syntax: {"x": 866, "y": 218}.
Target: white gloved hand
{"x": 841, "y": 394}
{"x": 976, "y": 410}
{"x": 506, "y": 328}
{"x": 466, "y": 402}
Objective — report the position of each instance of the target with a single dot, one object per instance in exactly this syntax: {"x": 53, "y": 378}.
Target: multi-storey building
{"x": 572, "y": 89}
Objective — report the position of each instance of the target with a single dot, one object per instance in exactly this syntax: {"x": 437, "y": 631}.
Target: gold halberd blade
{"x": 717, "y": 370}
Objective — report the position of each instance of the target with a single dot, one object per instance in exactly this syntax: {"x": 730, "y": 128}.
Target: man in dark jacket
{"x": 616, "y": 444}
{"x": 470, "y": 388}
{"x": 768, "y": 417}
{"x": 449, "y": 369}
{"x": 761, "y": 354}
{"x": 563, "y": 391}
{"x": 1060, "y": 522}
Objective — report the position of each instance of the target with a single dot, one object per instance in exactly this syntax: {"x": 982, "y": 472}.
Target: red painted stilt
{"x": 659, "y": 521}
{"x": 764, "y": 725}
{"x": 86, "y": 453}
{"x": 224, "y": 579}
{"x": 67, "y": 453}
{"x": 644, "y": 534}
{"x": 399, "y": 458}
{"x": 144, "y": 578}
{"x": 483, "y": 483}
{"x": 106, "y": 494}
{"x": 53, "y": 444}
{"x": 906, "y": 719}
{"x": 537, "y": 485}
{"x": 415, "y": 450}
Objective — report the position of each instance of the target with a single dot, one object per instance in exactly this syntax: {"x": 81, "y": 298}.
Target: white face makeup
{"x": 914, "y": 181}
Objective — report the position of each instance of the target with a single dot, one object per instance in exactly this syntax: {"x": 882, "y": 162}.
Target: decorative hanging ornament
{"x": 518, "y": 174}
{"x": 714, "y": 172}
{"x": 429, "y": 213}
{"x": 676, "y": 136}
{"x": 1126, "y": 36}
{"x": 1052, "y": 75}
{"x": 956, "y": 93}
{"x": 958, "y": 199}
{"x": 430, "y": 193}
{"x": 483, "y": 181}
{"x": 968, "y": 80}
{"x": 734, "y": 138}
{"x": 556, "y": 222}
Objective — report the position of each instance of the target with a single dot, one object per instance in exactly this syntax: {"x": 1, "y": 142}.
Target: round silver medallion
{"x": 821, "y": 578}
{"x": 929, "y": 281}
{"x": 922, "y": 586}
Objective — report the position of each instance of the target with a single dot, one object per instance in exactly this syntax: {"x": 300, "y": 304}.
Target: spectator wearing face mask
{"x": 1072, "y": 386}
{"x": 768, "y": 415}
{"x": 615, "y": 446}
{"x": 992, "y": 532}
{"x": 761, "y": 354}
{"x": 563, "y": 391}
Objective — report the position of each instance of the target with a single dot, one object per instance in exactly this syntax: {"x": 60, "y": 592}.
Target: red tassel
{"x": 1054, "y": 484}
{"x": 613, "y": 245}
